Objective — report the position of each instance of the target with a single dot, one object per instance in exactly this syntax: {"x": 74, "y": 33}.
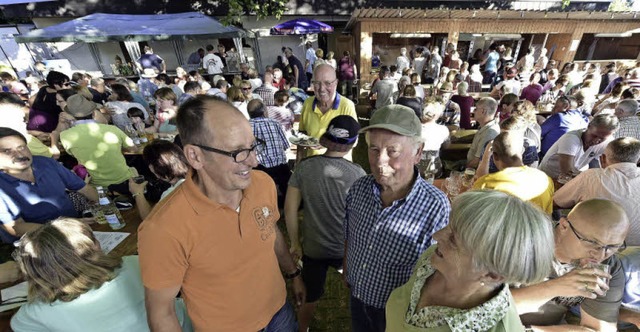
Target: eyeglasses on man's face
{"x": 239, "y": 155}
{"x": 595, "y": 245}
{"x": 323, "y": 83}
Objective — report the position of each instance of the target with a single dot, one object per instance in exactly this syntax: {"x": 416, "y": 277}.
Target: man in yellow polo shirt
{"x": 318, "y": 111}
{"x": 513, "y": 177}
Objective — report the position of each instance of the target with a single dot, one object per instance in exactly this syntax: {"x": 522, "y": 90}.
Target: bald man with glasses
{"x": 591, "y": 234}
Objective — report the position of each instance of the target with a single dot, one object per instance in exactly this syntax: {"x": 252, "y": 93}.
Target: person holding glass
{"x": 74, "y": 286}
{"x": 461, "y": 284}
{"x": 167, "y": 109}
{"x": 586, "y": 272}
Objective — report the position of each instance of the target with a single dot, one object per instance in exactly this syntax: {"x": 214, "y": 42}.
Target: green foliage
{"x": 619, "y": 6}
{"x": 259, "y": 8}
{"x": 565, "y": 3}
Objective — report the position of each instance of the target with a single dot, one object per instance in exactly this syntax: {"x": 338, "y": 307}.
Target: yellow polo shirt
{"x": 37, "y": 148}
{"x": 527, "y": 183}
{"x": 314, "y": 123}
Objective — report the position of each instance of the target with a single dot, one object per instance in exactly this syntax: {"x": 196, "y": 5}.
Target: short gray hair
{"x": 462, "y": 87}
{"x": 96, "y": 81}
{"x": 490, "y": 103}
{"x": 628, "y": 106}
{"x": 623, "y": 150}
{"x": 607, "y": 121}
{"x": 508, "y": 146}
{"x": 504, "y": 234}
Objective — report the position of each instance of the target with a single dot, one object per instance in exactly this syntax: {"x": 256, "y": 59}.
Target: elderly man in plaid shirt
{"x": 390, "y": 215}
{"x": 273, "y": 159}
{"x": 629, "y": 123}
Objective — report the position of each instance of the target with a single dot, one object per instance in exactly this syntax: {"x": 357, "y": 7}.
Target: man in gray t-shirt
{"x": 322, "y": 183}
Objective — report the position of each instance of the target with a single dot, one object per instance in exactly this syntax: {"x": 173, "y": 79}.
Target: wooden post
{"x": 366, "y": 52}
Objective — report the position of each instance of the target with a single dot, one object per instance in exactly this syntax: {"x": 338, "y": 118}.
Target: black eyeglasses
{"x": 325, "y": 83}
{"x": 239, "y": 155}
{"x": 608, "y": 249}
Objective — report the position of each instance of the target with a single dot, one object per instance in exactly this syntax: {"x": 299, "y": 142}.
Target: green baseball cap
{"x": 399, "y": 119}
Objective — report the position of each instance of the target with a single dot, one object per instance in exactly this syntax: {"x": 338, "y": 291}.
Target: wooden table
{"x": 129, "y": 246}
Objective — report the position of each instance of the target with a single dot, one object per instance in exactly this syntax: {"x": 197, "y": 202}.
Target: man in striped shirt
{"x": 391, "y": 215}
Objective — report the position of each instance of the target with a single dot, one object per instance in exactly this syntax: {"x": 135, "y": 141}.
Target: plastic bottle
{"x": 142, "y": 136}
{"x": 430, "y": 170}
{"x": 107, "y": 212}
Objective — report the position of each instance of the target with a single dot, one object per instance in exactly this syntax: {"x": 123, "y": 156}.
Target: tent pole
{"x": 9, "y": 61}
{"x": 95, "y": 53}
{"x": 258, "y": 55}
{"x": 178, "y": 49}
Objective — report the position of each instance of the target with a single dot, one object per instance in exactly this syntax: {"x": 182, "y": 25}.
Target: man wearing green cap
{"x": 390, "y": 215}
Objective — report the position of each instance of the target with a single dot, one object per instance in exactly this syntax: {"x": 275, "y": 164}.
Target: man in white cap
{"x": 390, "y": 215}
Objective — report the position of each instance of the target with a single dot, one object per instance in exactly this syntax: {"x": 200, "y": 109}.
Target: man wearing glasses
{"x": 586, "y": 241}
{"x": 575, "y": 150}
{"x": 319, "y": 110}
{"x": 215, "y": 238}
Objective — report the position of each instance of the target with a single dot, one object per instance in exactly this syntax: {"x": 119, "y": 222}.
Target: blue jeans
{"x": 283, "y": 321}
{"x": 366, "y": 318}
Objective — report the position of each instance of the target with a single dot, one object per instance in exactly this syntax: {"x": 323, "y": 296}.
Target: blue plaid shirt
{"x": 383, "y": 244}
{"x": 270, "y": 131}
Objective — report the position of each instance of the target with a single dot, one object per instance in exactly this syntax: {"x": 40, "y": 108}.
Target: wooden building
{"x": 560, "y": 32}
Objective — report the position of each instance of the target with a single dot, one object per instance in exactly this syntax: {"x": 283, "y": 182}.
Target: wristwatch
{"x": 293, "y": 275}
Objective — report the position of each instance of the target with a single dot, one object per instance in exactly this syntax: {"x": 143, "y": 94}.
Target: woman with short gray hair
{"x": 461, "y": 284}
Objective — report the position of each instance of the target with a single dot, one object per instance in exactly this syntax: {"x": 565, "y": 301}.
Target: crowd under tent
{"x": 175, "y": 29}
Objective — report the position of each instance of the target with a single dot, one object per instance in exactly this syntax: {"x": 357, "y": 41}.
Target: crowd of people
{"x": 512, "y": 253}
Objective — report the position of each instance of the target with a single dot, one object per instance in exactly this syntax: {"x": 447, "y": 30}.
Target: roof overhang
{"x": 386, "y": 14}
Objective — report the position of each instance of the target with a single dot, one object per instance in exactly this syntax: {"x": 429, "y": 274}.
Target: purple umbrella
{"x": 301, "y": 26}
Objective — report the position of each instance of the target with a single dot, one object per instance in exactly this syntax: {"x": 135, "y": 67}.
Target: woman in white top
{"x": 435, "y": 136}
{"x": 419, "y": 61}
{"x": 608, "y": 102}
{"x": 119, "y": 103}
{"x": 74, "y": 286}
{"x": 331, "y": 61}
{"x": 237, "y": 98}
{"x": 167, "y": 162}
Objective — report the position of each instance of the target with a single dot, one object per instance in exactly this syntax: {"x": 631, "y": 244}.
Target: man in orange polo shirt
{"x": 215, "y": 237}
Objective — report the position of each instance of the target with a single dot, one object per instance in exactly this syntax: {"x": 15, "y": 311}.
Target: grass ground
{"x": 333, "y": 313}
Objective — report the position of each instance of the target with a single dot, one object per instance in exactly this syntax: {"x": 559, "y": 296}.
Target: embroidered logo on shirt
{"x": 265, "y": 220}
